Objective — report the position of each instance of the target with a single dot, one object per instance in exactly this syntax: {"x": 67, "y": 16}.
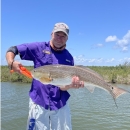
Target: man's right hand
{"x": 16, "y": 66}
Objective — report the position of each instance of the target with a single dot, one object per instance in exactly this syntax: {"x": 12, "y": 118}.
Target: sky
{"x": 99, "y": 29}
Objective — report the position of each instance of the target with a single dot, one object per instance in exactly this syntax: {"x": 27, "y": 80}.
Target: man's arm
{"x": 10, "y": 56}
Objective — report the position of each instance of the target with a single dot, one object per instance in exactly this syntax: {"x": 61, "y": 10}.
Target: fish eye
{"x": 112, "y": 88}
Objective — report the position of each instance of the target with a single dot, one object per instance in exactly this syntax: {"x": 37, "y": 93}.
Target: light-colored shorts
{"x": 42, "y": 119}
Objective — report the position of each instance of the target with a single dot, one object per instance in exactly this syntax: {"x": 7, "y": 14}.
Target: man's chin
{"x": 60, "y": 47}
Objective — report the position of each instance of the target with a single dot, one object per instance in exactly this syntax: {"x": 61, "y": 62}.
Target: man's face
{"x": 59, "y": 39}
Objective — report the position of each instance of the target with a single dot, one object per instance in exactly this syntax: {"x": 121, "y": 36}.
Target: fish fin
{"x": 116, "y": 92}
{"x": 90, "y": 87}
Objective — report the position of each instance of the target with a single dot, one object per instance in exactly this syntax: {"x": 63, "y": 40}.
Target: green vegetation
{"x": 112, "y": 74}
{"x": 6, "y": 76}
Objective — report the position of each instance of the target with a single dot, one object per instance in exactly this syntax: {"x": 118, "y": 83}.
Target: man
{"x": 48, "y": 103}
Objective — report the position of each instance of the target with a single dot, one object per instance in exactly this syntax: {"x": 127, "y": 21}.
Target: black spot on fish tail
{"x": 116, "y": 92}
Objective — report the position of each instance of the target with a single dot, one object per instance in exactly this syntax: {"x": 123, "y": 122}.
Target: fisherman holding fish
{"x": 48, "y": 105}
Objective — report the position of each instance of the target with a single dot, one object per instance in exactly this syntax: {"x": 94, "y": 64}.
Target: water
{"x": 95, "y": 111}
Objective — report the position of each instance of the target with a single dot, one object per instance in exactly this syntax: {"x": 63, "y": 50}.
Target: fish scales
{"x": 52, "y": 74}
{"x": 84, "y": 74}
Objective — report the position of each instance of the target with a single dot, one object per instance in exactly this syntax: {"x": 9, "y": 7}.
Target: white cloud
{"x": 92, "y": 60}
{"x": 97, "y": 45}
{"x": 124, "y": 42}
{"x": 100, "y": 61}
{"x": 124, "y": 48}
{"x": 120, "y": 43}
{"x": 110, "y": 60}
{"x": 111, "y": 39}
{"x": 80, "y": 59}
{"x": 125, "y": 59}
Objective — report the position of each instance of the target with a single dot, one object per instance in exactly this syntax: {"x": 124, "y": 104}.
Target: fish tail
{"x": 116, "y": 92}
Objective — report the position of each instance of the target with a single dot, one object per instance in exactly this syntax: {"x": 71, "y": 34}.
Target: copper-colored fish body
{"x": 62, "y": 75}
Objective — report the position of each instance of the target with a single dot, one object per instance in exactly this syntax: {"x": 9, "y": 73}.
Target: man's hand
{"x": 13, "y": 65}
{"x": 16, "y": 67}
{"x": 76, "y": 83}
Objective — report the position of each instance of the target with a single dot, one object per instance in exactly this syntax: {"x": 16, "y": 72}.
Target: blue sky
{"x": 99, "y": 29}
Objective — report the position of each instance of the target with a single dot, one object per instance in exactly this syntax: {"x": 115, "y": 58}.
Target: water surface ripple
{"x": 89, "y": 111}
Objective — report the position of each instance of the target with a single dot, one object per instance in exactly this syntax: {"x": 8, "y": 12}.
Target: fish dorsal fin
{"x": 91, "y": 71}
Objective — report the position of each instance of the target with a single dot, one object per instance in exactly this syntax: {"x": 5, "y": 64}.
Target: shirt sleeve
{"x": 28, "y": 51}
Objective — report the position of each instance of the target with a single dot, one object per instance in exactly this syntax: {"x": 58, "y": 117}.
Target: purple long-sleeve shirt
{"x": 41, "y": 53}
